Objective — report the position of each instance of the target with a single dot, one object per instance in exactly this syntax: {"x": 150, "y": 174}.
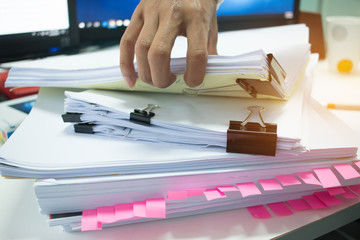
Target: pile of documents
{"x": 177, "y": 164}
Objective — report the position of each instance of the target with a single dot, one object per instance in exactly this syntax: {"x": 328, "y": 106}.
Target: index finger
{"x": 127, "y": 49}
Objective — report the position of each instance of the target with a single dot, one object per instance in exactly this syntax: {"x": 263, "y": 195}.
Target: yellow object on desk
{"x": 343, "y": 106}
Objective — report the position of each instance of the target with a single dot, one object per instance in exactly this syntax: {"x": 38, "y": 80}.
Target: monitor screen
{"x": 34, "y": 28}
{"x": 103, "y": 20}
{"x": 235, "y": 14}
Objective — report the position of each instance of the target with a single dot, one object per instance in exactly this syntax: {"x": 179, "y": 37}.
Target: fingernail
{"x": 129, "y": 81}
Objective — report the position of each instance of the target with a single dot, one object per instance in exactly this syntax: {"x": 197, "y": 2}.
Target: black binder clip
{"x": 143, "y": 116}
{"x": 84, "y": 128}
{"x": 252, "y": 137}
{"x": 71, "y": 117}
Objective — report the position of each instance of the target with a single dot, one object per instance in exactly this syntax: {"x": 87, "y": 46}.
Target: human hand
{"x": 151, "y": 34}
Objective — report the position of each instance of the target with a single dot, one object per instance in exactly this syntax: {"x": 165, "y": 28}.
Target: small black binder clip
{"x": 71, "y": 117}
{"x": 252, "y": 137}
{"x": 84, "y": 128}
{"x": 143, "y": 116}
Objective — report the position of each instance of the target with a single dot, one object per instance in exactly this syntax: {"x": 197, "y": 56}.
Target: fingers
{"x": 127, "y": 46}
{"x": 197, "y": 55}
{"x": 143, "y": 45}
{"x": 159, "y": 54}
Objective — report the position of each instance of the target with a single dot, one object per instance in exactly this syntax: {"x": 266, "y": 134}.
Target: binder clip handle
{"x": 255, "y": 110}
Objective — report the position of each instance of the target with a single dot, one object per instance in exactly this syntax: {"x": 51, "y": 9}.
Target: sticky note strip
{"x": 336, "y": 190}
{"x": 212, "y": 194}
{"x": 347, "y": 171}
{"x": 259, "y": 211}
{"x": 156, "y": 208}
{"x": 355, "y": 188}
{"x": 288, "y": 180}
{"x": 298, "y": 204}
{"x": 314, "y": 202}
{"x": 176, "y": 195}
{"x": 280, "y": 209}
{"x": 357, "y": 163}
{"x": 270, "y": 184}
{"x": 124, "y": 211}
{"x": 139, "y": 209}
{"x": 228, "y": 189}
{"x": 106, "y": 214}
{"x": 248, "y": 189}
{"x": 326, "y": 198}
{"x": 89, "y": 220}
{"x": 195, "y": 192}
{"x": 327, "y": 177}
{"x": 348, "y": 194}
{"x": 308, "y": 178}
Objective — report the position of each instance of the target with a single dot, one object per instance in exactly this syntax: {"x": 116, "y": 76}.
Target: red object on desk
{"x": 15, "y": 92}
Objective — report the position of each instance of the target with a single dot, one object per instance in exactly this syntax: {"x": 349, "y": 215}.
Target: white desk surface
{"x": 20, "y": 219}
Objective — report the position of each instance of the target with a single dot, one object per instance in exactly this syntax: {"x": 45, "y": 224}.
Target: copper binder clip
{"x": 252, "y": 137}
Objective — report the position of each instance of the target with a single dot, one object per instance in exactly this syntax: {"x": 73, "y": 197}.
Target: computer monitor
{"x": 36, "y": 28}
{"x": 244, "y": 14}
{"x": 103, "y": 20}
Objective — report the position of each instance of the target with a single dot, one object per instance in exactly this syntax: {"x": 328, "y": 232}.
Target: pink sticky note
{"x": 270, "y": 184}
{"x": 195, "y": 192}
{"x": 259, "y": 211}
{"x": 106, "y": 214}
{"x": 357, "y": 163}
{"x": 228, "y": 189}
{"x": 156, "y": 208}
{"x": 308, "y": 178}
{"x": 348, "y": 194}
{"x": 288, "y": 180}
{"x": 212, "y": 194}
{"x": 89, "y": 221}
{"x": 280, "y": 209}
{"x": 355, "y": 188}
{"x": 347, "y": 171}
{"x": 327, "y": 177}
{"x": 314, "y": 202}
{"x": 326, "y": 198}
{"x": 139, "y": 209}
{"x": 176, "y": 195}
{"x": 335, "y": 190}
{"x": 298, "y": 204}
{"x": 248, "y": 189}
{"x": 124, "y": 211}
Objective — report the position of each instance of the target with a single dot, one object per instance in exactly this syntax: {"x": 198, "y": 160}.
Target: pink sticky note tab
{"x": 298, "y": 204}
{"x": 106, "y": 214}
{"x": 357, "y": 163}
{"x": 259, "y": 211}
{"x": 212, "y": 194}
{"x": 176, "y": 195}
{"x": 248, "y": 189}
{"x": 314, "y": 202}
{"x": 348, "y": 194}
{"x": 335, "y": 190}
{"x": 326, "y": 198}
{"x": 308, "y": 178}
{"x": 288, "y": 180}
{"x": 124, "y": 211}
{"x": 228, "y": 189}
{"x": 355, "y": 188}
{"x": 89, "y": 221}
{"x": 270, "y": 184}
{"x": 280, "y": 208}
{"x": 347, "y": 171}
{"x": 327, "y": 177}
{"x": 156, "y": 208}
{"x": 139, "y": 209}
{"x": 195, "y": 192}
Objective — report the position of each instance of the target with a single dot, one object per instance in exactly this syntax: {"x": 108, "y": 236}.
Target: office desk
{"x": 20, "y": 219}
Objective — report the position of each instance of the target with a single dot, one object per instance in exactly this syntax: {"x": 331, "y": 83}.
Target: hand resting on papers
{"x": 151, "y": 34}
